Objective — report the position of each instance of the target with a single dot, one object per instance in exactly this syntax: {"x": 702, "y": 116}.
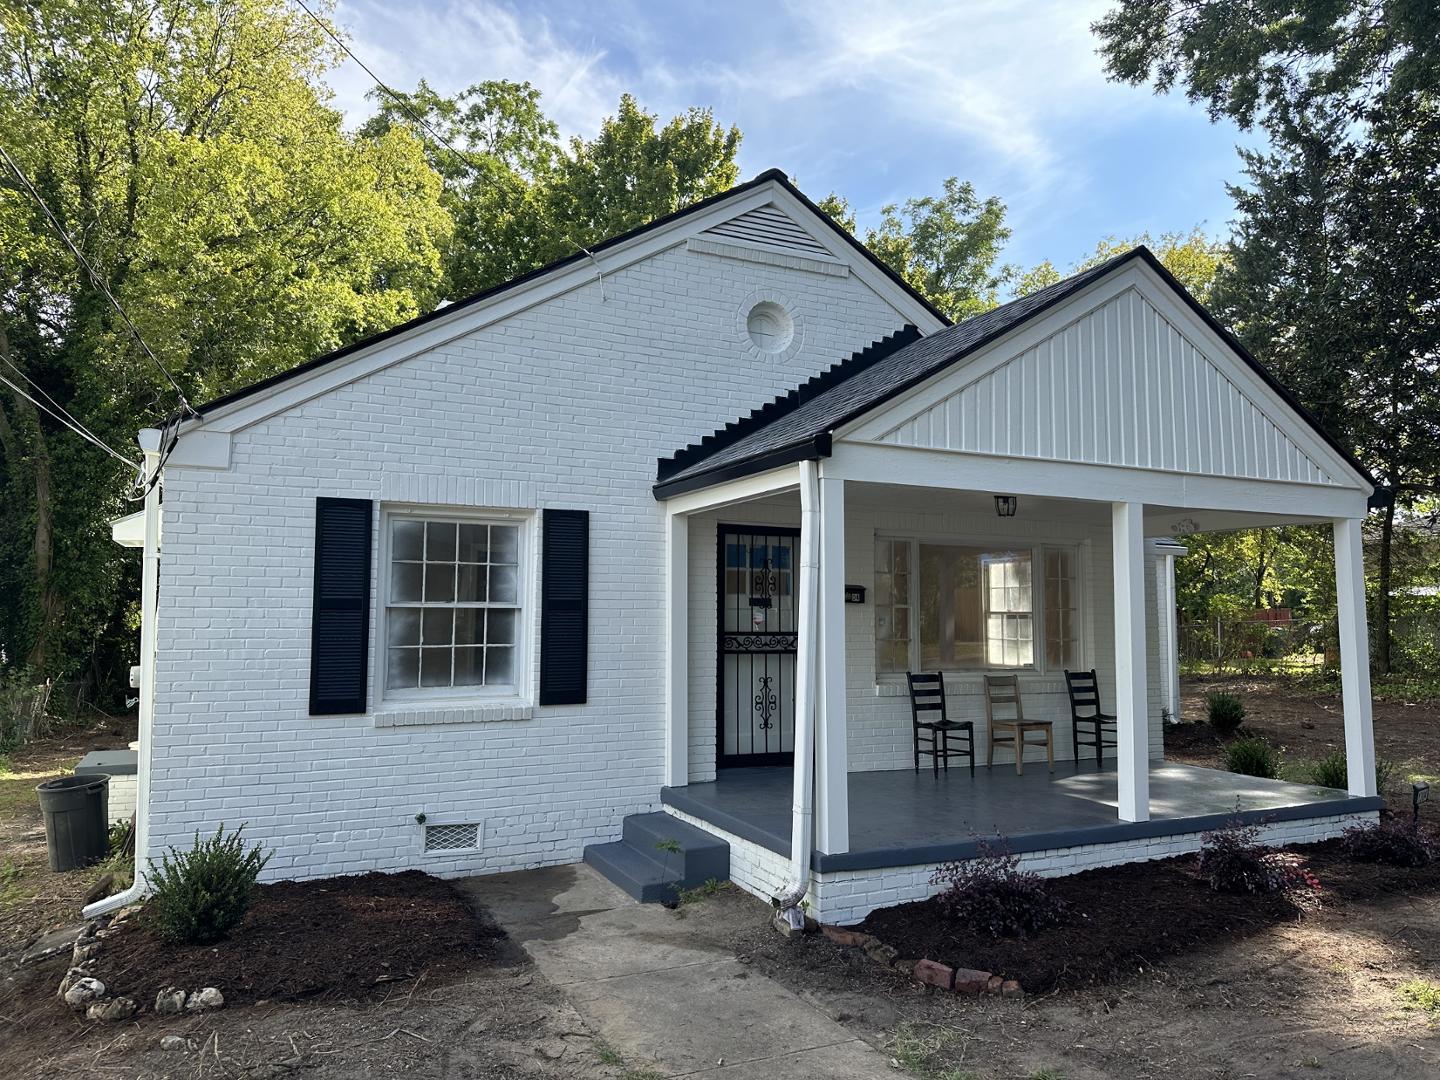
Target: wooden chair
{"x": 1084, "y": 689}
{"x": 1004, "y": 690}
{"x": 930, "y": 724}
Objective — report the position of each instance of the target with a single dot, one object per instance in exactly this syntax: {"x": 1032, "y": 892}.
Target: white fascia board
{"x": 129, "y": 531}
{"x": 730, "y": 492}
{"x": 881, "y": 283}
{"x": 1261, "y": 394}
{"x": 950, "y": 469}
{"x": 467, "y": 319}
{"x": 980, "y": 363}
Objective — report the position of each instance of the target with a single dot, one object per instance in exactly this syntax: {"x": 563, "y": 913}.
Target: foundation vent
{"x": 452, "y": 837}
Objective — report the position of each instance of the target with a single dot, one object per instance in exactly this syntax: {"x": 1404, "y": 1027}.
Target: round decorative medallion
{"x": 770, "y": 327}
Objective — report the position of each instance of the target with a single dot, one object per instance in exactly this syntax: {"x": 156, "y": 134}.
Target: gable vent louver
{"x": 770, "y": 227}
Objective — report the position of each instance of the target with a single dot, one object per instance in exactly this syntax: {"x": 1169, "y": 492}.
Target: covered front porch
{"x": 909, "y": 818}
{"x": 1000, "y": 499}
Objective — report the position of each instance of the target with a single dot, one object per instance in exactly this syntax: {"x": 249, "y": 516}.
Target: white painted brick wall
{"x": 756, "y": 869}
{"x": 566, "y": 405}
{"x": 848, "y": 896}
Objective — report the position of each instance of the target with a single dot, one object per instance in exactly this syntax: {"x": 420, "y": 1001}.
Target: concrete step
{"x": 702, "y": 856}
{"x": 639, "y": 875}
{"x": 658, "y": 856}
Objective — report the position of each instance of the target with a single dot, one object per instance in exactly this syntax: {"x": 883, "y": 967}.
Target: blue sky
{"x": 878, "y": 101}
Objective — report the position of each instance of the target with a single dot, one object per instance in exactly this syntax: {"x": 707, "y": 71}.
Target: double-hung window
{"x": 453, "y": 606}
{"x": 944, "y": 606}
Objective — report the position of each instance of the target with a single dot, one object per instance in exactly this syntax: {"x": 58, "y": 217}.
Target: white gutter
{"x": 149, "y": 595}
{"x": 803, "y": 814}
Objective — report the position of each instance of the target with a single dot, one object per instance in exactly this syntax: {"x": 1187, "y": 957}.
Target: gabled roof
{"x": 776, "y": 176}
{"x": 776, "y": 435}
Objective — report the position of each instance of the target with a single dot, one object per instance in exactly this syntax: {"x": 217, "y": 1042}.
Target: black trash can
{"x": 77, "y": 831}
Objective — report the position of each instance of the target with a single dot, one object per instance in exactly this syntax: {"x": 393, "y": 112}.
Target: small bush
{"x": 1226, "y": 713}
{"x": 198, "y": 896}
{"x": 990, "y": 894}
{"x": 1395, "y": 843}
{"x": 1233, "y": 860}
{"x": 1332, "y": 771}
{"x": 1253, "y": 756}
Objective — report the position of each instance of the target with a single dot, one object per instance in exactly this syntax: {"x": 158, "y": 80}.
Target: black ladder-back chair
{"x": 1084, "y": 689}
{"x": 932, "y": 727}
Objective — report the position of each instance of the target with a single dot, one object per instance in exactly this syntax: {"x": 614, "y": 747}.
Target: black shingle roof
{"x": 775, "y": 435}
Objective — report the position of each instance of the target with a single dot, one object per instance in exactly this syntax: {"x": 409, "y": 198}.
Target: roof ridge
{"x": 788, "y": 402}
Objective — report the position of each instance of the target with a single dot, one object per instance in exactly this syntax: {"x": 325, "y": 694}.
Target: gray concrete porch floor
{"x": 663, "y": 992}
{"x": 906, "y": 818}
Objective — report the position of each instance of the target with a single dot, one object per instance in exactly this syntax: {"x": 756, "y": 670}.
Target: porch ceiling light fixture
{"x": 1005, "y": 505}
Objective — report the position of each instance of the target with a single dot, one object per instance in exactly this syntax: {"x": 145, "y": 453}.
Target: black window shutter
{"x": 564, "y": 606}
{"x": 340, "y": 622}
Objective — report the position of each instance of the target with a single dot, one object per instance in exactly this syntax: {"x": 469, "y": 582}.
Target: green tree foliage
{"x": 947, "y": 247}
{"x": 1194, "y": 258}
{"x": 1334, "y": 269}
{"x": 189, "y": 150}
{"x": 521, "y": 198}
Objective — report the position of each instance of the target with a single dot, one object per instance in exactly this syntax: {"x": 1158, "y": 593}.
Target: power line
{"x": 95, "y": 279}
{"x": 76, "y": 426}
{"x": 400, "y": 99}
{"x": 65, "y": 414}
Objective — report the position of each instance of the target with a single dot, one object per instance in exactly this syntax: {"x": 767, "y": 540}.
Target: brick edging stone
{"x": 925, "y": 971}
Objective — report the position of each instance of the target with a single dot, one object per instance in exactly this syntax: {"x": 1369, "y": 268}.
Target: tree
{"x": 945, "y": 246}
{"x": 521, "y": 199}
{"x": 1192, "y": 257}
{"x": 189, "y": 150}
{"x": 1274, "y": 60}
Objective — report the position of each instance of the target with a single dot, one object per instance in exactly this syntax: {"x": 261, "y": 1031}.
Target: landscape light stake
{"x": 1419, "y": 793}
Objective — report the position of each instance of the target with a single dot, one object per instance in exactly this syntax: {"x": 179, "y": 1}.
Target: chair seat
{"x": 1104, "y": 718}
{"x": 947, "y": 725}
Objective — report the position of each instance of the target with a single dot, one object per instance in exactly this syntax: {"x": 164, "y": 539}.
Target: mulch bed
{"x": 1122, "y": 919}
{"x": 336, "y": 937}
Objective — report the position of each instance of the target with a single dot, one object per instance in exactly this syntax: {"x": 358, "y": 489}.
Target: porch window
{"x": 452, "y": 607}
{"x": 956, "y": 607}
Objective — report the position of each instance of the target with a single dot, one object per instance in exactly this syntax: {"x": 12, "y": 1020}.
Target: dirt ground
{"x": 1307, "y": 724}
{"x": 32, "y": 898}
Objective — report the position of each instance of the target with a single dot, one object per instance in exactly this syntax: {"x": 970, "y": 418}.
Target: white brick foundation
{"x": 847, "y": 896}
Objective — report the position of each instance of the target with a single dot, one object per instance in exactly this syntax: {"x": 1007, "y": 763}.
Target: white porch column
{"x": 832, "y": 795}
{"x": 1132, "y": 723}
{"x": 677, "y": 650}
{"x": 1354, "y": 655}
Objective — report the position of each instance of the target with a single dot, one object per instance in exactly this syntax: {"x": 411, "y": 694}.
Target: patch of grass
{"x": 1420, "y": 994}
{"x": 923, "y": 1049}
{"x": 1046, "y": 1074}
{"x": 641, "y": 1074}
{"x": 10, "y": 890}
{"x": 608, "y": 1055}
{"x": 699, "y": 894}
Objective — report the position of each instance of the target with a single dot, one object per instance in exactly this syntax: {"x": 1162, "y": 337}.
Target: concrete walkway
{"x": 662, "y": 993}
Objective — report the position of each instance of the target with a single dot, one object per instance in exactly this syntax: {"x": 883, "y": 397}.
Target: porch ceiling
{"x": 907, "y": 818}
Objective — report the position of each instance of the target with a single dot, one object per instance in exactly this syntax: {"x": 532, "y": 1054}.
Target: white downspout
{"x": 803, "y": 814}
{"x": 149, "y": 595}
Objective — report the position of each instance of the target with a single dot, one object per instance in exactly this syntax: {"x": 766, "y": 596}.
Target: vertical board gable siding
{"x": 770, "y": 226}
{"x": 1119, "y": 386}
{"x": 340, "y": 618}
{"x": 564, "y": 606}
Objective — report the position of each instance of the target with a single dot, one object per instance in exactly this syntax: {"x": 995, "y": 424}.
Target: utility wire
{"x": 400, "y": 99}
{"x": 65, "y": 417}
{"x": 95, "y": 278}
{"x": 76, "y": 427}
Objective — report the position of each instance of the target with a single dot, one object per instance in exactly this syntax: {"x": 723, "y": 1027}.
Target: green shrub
{"x": 198, "y": 896}
{"x": 1253, "y": 756}
{"x": 1332, "y": 771}
{"x": 1226, "y": 713}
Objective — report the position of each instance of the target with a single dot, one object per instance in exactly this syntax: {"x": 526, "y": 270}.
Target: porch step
{"x": 640, "y": 864}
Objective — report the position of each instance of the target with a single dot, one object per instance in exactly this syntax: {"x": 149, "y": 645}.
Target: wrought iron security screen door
{"x": 756, "y": 699}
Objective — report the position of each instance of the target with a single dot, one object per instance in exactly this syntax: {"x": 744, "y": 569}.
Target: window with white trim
{"x": 946, "y": 606}
{"x": 454, "y": 607}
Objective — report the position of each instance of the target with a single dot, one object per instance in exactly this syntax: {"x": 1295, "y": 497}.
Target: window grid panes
{"x": 957, "y": 607}
{"x": 1061, "y": 647}
{"x": 453, "y": 611}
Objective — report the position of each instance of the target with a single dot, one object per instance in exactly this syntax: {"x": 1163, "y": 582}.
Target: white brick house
{"x": 424, "y": 602}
